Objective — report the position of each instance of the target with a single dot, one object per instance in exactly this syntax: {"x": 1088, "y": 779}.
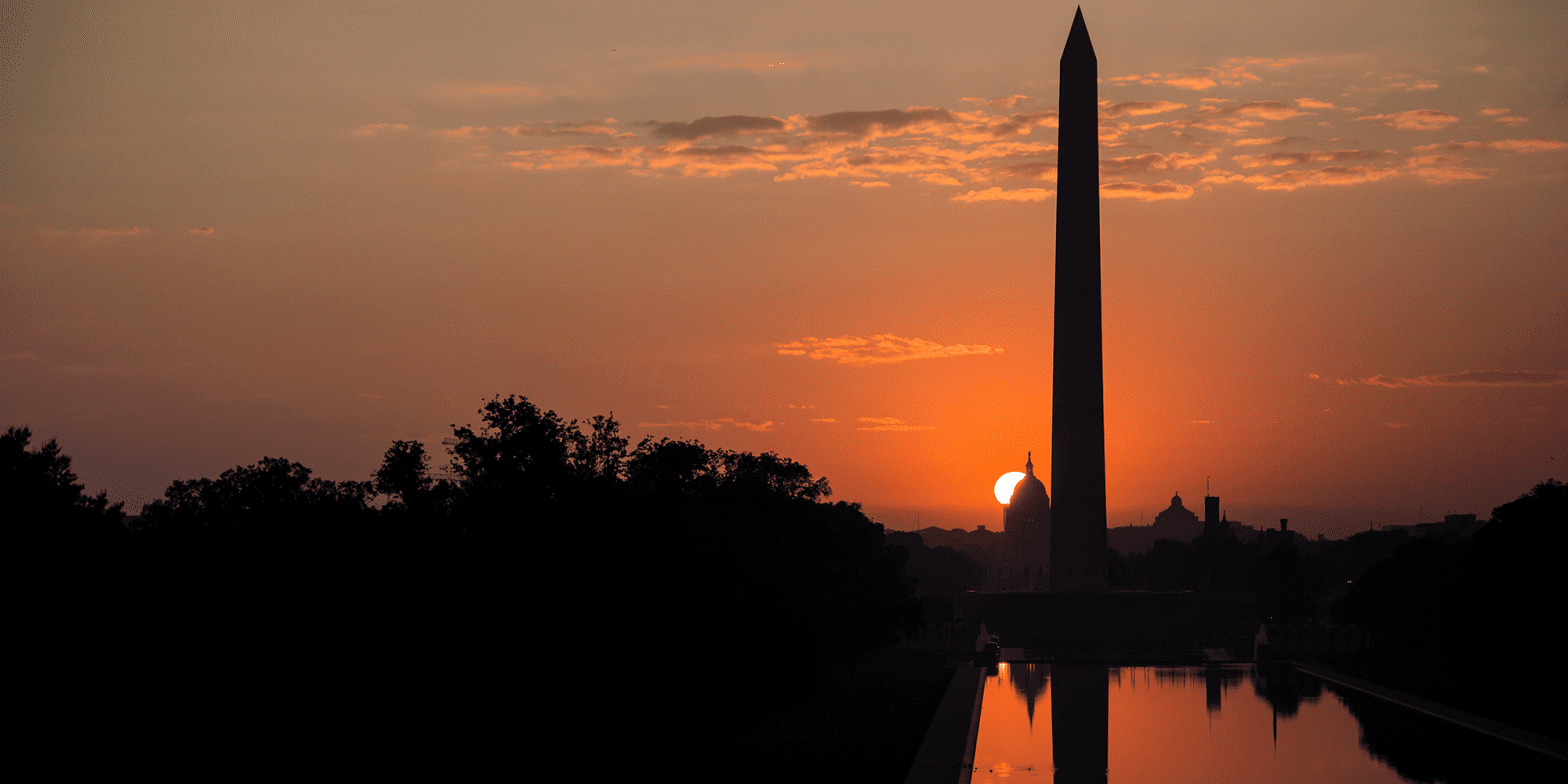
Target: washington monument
{"x": 1078, "y": 379}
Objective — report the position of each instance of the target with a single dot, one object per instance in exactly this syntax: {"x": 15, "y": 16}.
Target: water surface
{"x": 1220, "y": 723}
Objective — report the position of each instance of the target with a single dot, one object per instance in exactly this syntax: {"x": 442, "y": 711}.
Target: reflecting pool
{"x": 1221, "y": 723}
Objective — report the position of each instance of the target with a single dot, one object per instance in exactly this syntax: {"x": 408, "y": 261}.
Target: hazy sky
{"x": 1334, "y": 238}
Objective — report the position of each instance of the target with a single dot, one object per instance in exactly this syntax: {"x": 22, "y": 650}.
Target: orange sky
{"x": 1333, "y": 240}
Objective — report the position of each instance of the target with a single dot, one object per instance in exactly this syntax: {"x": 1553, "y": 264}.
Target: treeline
{"x": 1294, "y": 580}
{"x": 1458, "y": 622}
{"x": 664, "y": 605}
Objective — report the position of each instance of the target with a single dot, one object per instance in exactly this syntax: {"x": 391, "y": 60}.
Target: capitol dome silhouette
{"x": 1177, "y": 522}
{"x": 1026, "y": 527}
{"x": 1030, "y": 504}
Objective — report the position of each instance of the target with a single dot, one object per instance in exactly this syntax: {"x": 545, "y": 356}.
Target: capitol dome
{"x": 1026, "y": 526}
{"x": 1029, "y": 490}
{"x": 1029, "y": 508}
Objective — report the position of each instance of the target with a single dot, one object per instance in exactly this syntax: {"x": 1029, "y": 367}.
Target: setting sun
{"x": 1004, "y": 485}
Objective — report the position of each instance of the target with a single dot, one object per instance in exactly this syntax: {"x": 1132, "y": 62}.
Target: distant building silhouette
{"x": 983, "y": 545}
{"x": 1453, "y": 527}
{"x": 1026, "y": 526}
{"x": 1178, "y": 522}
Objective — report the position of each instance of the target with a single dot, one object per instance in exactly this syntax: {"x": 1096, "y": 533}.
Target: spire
{"x": 1078, "y": 43}
{"x": 1029, "y": 463}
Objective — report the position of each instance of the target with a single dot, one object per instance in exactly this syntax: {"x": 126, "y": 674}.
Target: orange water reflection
{"x": 1168, "y": 724}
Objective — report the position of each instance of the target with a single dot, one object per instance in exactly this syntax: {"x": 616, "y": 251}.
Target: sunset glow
{"x": 1332, "y": 241}
{"x": 1005, "y": 484}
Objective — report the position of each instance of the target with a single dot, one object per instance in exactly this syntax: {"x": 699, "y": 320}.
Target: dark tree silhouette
{"x": 268, "y": 590}
{"x": 404, "y": 473}
{"x": 937, "y": 570}
{"x": 666, "y": 468}
{"x": 271, "y": 498}
{"x": 1445, "y": 613}
{"x": 599, "y": 455}
{"x": 47, "y": 502}
{"x": 1285, "y": 582}
{"x": 519, "y": 455}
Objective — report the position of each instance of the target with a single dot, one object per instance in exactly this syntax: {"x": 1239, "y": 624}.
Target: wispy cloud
{"x": 705, "y": 127}
{"x": 1263, "y": 110}
{"x": 1505, "y": 117}
{"x": 1444, "y": 169}
{"x": 1469, "y": 378}
{"x": 720, "y": 161}
{"x": 890, "y": 424}
{"x": 465, "y": 132}
{"x": 591, "y": 128}
{"x": 1136, "y": 190}
{"x": 877, "y": 349}
{"x": 1413, "y": 120}
{"x": 1507, "y": 145}
{"x": 113, "y": 231}
{"x": 1330, "y": 175}
{"x": 1233, "y": 72}
{"x": 379, "y": 129}
{"x": 998, "y": 149}
{"x": 999, "y": 194}
{"x": 715, "y": 424}
{"x": 1302, "y": 158}
{"x": 760, "y": 427}
{"x": 1294, "y": 178}
{"x": 1152, "y": 162}
{"x": 202, "y": 231}
{"x": 998, "y": 103}
{"x": 575, "y": 157}
{"x": 751, "y": 61}
{"x": 24, "y": 356}
{"x": 1137, "y": 108}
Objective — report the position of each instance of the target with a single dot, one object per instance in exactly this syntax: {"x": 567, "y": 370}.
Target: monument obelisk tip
{"x": 1078, "y": 37}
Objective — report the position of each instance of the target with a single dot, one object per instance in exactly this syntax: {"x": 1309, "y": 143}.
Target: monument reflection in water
{"x": 1072, "y": 723}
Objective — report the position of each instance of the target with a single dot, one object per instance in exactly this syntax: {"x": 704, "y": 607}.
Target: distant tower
{"x": 1078, "y": 380}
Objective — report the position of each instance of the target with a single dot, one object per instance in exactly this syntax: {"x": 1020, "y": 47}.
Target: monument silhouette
{"x": 1078, "y": 379}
